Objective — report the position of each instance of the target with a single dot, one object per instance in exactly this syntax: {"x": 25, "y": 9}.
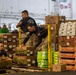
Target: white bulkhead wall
{"x": 33, "y": 6}
{"x": 66, "y": 8}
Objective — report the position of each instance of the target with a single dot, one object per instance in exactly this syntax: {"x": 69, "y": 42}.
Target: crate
{"x": 67, "y": 61}
{"x": 25, "y": 61}
{"x": 71, "y": 67}
{"x": 70, "y": 63}
{"x": 5, "y": 36}
{"x": 67, "y": 49}
{"x": 25, "y": 48}
{"x": 5, "y": 63}
{"x": 67, "y": 41}
{"x": 67, "y": 54}
{"x": 10, "y": 41}
{"x": 25, "y": 51}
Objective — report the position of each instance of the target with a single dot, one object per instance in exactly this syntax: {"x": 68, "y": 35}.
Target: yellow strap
{"x": 49, "y": 48}
{"x": 19, "y": 30}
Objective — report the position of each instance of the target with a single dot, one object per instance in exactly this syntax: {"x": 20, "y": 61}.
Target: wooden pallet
{"x": 29, "y": 69}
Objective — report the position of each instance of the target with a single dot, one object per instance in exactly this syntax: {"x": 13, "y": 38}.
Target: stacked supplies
{"x": 42, "y": 59}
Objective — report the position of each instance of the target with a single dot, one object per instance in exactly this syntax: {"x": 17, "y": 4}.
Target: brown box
{"x": 54, "y": 19}
{"x": 25, "y": 48}
{"x": 59, "y": 68}
{"x": 54, "y": 39}
{"x": 55, "y": 46}
{"x": 27, "y": 59}
{"x": 55, "y": 28}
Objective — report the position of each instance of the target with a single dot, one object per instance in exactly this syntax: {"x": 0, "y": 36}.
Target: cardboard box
{"x": 54, "y": 19}
{"x": 5, "y": 63}
{"x": 55, "y": 28}
{"x": 25, "y": 48}
{"x": 54, "y": 39}
{"x": 55, "y": 46}
{"x": 24, "y": 60}
{"x": 24, "y": 51}
{"x": 58, "y": 68}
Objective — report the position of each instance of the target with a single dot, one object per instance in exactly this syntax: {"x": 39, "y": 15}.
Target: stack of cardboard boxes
{"x": 10, "y": 41}
{"x": 24, "y": 57}
{"x": 67, "y": 45}
{"x": 54, "y": 21}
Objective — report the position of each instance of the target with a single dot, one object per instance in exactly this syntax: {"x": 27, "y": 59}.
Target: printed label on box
{"x": 14, "y": 45}
{"x": 14, "y": 36}
{"x": 68, "y": 43}
{"x": 28, "y": 54}
{"x": 9, "y": 39}
{"x": 33, "y": 61}
{"x": 5, "y": 45}
{"x": 5, "y": 40}
{"x": 28, "y": 59}
{"x": 10, "y": 46}
{"x": 68, "y": 37}
{"x": 14, "y": 40}
{"x": 6, "y": 49}
{"x": 31, "y": 52}
{"x": 52, "y": 28}
{"x": 5, "y": 36}
{"x": 29, "y": 64}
